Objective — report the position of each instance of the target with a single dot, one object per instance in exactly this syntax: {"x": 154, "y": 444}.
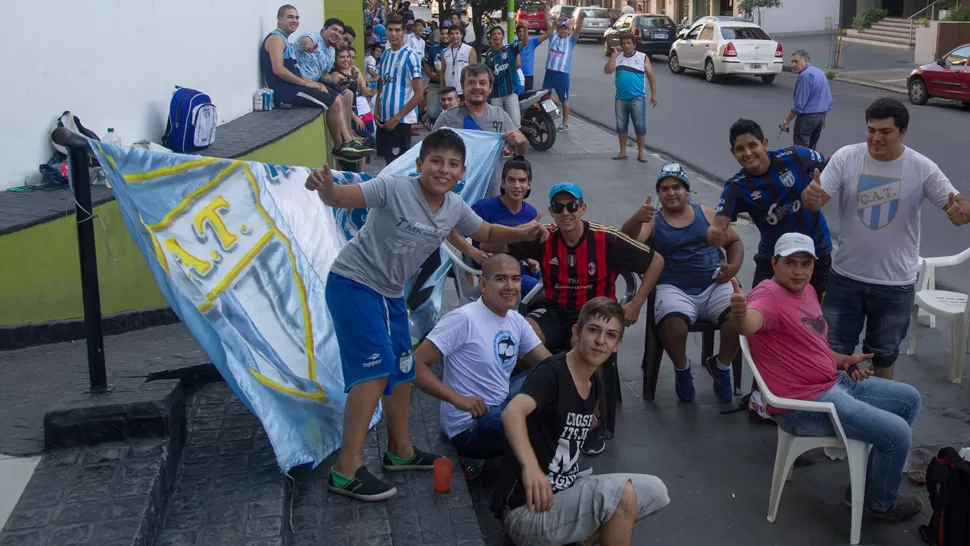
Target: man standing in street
{"x": 631, "y": 68}
{"x": 501, "y": 59}
{"x": 880, "y": 185}
{"x": 628, "y": 8}
{"x": 562, "y": 41}
{"x": 768, "y": 188}
{"x": 813, "y": 100}
{"x": 398, "y": 93}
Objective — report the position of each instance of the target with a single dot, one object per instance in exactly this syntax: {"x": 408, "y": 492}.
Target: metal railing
{"x": 933, "y": 13}
{"x": 80, "y": 178}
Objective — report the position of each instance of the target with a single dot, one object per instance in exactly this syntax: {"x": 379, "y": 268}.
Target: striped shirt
{"x": 397, "y": 69}
{"x": 630, "y": 74}
{"x": 574, "y": 275}
{"x": 502, "y": 63}
{"x": 560, "y": 52}
{"x": 773, "y": 200}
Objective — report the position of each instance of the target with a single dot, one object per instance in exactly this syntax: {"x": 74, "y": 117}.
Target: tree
{"x": 752, "y": 6}
{"x": 480, "y": 8}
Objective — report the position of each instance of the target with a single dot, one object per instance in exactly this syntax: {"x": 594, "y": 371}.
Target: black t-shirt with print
{"x": 556, "y": 429}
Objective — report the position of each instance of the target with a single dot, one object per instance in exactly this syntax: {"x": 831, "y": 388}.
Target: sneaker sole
{"x": 591, "y": 452}
{"x": 366, "y": 498}
{"x": 398, "y": 468}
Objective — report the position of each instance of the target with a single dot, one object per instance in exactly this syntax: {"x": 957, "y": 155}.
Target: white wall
{"x": 114, "y": 63}
{"x": 799, "y": 16}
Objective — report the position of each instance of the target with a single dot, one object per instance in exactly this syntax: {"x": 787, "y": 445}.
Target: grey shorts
{"x": 578, "y": 512}
{"x": 709, "y": 305}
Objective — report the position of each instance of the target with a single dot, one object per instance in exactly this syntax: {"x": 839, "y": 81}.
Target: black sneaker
{"x": 364, "y": 486}
{"x": 472, "y": 468}
{"x": 906, "y": 507}
{"x": 358, "y": 147}
{"x": 342, "y": 155}
{"x": 420, "y": 461}
{"x": 594, "y": 443}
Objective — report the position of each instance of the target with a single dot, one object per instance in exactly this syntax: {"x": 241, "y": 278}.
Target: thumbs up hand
{"x": 739, "y": 302}
{"x": 954, "y": 211}
{"x": 717, "y": 237}
{"x": 647, "y": 210}
{"x": 814, "y": 196}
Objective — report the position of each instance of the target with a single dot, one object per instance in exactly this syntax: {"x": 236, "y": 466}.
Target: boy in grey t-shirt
{"x": 408, "y": 220}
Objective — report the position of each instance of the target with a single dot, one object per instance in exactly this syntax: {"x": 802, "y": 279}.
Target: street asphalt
{"x": 692, "y": 119}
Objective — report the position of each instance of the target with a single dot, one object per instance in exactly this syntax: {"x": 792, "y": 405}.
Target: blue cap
{"x": 568, "y": 187}
{"x": 673, "y": 170}
{"x": 564, "y": 24}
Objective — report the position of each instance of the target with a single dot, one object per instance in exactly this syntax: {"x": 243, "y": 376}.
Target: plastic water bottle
{"x": 111, "y": 137}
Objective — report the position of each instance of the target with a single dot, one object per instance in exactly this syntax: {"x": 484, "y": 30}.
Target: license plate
{"x": 660, "y": 36}
{"x": 548, "y": 106}
{"x": 755, "y": 66}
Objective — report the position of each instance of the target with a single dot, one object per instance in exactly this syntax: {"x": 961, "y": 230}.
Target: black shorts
{"x": 391, "y": 144}
{"x": 556, "y": 324}
{"x": 314, "y": 98}
{"x": 820, "y": 275}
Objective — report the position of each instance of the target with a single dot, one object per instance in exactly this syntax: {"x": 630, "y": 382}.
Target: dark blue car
{"x": 653, "y": 33}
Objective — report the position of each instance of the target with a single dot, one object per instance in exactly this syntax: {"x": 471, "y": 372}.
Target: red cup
{"x": 442, "y": 474}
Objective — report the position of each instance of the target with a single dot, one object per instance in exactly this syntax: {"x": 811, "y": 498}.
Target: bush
{"x": 831, "y": 74}
{"x": 960, "y": 14}
{"x": 869, "y": 17}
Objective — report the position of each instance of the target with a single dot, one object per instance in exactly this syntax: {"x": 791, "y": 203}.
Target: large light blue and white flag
{"x": 241, "y": 251}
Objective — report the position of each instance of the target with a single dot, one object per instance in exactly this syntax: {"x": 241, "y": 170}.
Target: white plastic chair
{"x": 466, "y": 278}
{"x": 791, "y": 446}
{"x": 951, "y": 306}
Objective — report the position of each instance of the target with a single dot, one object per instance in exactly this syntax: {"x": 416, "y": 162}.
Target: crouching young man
{"x": 480, "y": 343}
{"x": 788, "y": 335}
{"x": 541, "y": 496}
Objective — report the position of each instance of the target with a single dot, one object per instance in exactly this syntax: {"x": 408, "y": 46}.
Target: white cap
{"x": 793, "y": 243}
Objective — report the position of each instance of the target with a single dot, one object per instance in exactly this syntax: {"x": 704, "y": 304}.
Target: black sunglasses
{"x": 572, "y": 206}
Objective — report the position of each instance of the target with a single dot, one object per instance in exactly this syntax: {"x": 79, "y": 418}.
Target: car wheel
{"x": 674, "y": 63}
{"x": 768, "y": 78}
{"x": 917, "y": 92}
{"x": 709, "y": 74}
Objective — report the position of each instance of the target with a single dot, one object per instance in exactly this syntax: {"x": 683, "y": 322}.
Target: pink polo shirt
{"x": 791, "y": 349}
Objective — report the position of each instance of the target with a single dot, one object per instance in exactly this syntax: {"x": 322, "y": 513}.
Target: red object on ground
{"x": 442, "y": 474}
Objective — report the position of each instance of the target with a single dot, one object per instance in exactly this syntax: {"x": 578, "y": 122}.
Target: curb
{"x": 874, "y": 85}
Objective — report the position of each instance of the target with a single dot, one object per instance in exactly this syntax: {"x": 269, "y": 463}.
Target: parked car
{"x": 727, "y": 47}
{"x": 947, "y": 78}
{"x": 654, "y": 34}
{"x": 594, "y": 26}
{"x": 532, "y": 15}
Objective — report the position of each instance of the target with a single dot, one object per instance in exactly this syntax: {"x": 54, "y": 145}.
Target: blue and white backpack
{"x": 192, "y": 121}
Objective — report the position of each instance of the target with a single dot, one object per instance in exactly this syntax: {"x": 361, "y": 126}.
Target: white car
{"x": 719, "y": 46}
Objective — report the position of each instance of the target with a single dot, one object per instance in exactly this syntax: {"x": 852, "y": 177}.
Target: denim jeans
{"x": 486, "y": 437}
{"x": 433, "y": 101}
{"x": 509, "y": 103}
{"x": 877, "y": 411}
{"x": 884, "y": 310}
{"x": 635, "y": 108}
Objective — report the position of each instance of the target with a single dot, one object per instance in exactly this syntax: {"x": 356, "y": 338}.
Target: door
{"x": 687, "y": 50}
{"x": 953, "y": 79}
{"x": 894, "y": 7}
{"x": 704, "y": 44}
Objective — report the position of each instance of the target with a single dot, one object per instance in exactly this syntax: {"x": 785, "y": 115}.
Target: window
{"x": 744, "y": 33}
{"x": 623, "y": 23}
{"x": 958, "y": 57}
{"x": 594, "y": 13}
{"x": 693, "y": 33}
{"x": 707, "y": 33}
{"x": 655, "y": 22}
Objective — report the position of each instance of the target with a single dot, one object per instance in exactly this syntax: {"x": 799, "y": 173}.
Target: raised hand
{"x": 739, "y": 302}
{"x": 813, "y": 195}
{"x": 956, "y": 213}
{"x": 533, "y": 266}
{"x": 717, "y": 237}
{"x": 320, "y": 179}
{"x": 647, "y": 211}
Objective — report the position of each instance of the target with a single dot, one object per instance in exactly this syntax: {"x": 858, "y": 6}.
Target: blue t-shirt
{"x": 773, "y": 200}
{"x": 494, "y": 211}
{"x": 527, "y": 54}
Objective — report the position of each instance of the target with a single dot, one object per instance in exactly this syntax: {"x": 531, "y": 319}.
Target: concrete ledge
{"x": 109, "y": 495}
{"x": 134, "y": 409}
{"x": 256, "y": 130}
{"x": 26, "y": 335}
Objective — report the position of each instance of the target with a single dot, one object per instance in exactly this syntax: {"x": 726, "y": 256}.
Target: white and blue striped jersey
{"x": 560, "y": 52}
{"x": 630, "y": 75}
{"x": 397, "y": 69}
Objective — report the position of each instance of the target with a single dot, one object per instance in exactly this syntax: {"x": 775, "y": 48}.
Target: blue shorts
{"x": 559, "y": 81}
{"x": 372, "y": 332}
{"x": 635, "y": 108}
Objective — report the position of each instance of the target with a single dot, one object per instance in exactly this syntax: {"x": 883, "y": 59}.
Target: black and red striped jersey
{"x": 572, "y": 275}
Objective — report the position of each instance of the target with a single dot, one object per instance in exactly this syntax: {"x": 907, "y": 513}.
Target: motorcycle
{"x": 539, "y": 112}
